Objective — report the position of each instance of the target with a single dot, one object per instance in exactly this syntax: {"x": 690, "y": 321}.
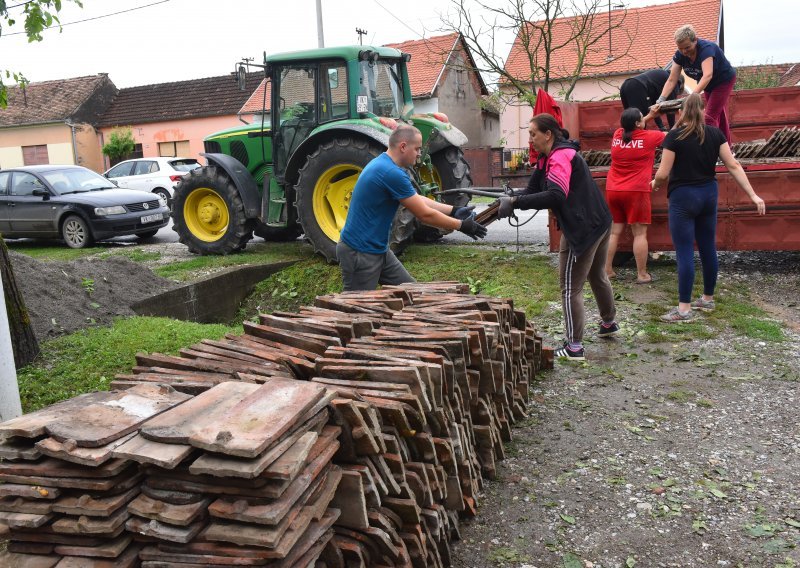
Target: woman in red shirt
{"x": 633, "y": 152}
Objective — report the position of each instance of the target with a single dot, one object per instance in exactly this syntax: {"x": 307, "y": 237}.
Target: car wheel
{"x": 147, "y": 234}
{"x": 76, "y": 233}
{"x": 163, "y": 193}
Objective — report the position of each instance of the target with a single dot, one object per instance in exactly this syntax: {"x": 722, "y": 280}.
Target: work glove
{"x": 472, "y": 228}
{"x": 462, "y": 212}
{"x": 506, "y": 208}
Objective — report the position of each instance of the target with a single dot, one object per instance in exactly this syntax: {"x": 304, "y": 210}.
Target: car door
{"x": 144, "y": 176}
{"x": 30, "y": 215}
{"x": 121, "y": 173}
{"x": 5, "y": 225}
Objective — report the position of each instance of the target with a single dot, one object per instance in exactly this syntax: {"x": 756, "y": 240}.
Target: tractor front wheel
{"x": 208, "y": 213}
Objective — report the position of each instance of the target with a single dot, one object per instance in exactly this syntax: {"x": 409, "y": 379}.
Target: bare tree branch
{"x": 546, "y": 31}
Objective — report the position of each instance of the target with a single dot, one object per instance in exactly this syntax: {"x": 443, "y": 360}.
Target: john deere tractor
{"x": 326, "y": 114}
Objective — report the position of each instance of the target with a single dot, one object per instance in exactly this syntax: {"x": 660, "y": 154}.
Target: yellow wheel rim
{"x": 206, "y": 214}
{"x": 331, "y": 200}
{"x": 430, "y": 175}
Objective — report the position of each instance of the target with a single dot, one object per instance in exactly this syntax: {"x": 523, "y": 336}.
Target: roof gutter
{"x": 74, "y": 142}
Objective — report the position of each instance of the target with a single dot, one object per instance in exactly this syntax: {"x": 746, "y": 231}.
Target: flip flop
{"x": 653, "y": 278}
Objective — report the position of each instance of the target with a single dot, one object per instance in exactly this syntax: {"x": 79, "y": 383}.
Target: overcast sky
{"x": 158, "y": 41}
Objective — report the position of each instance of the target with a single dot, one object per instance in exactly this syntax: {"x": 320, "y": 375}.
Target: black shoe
{"x": 572, "y": 354}
{"x": 608, "y": 329}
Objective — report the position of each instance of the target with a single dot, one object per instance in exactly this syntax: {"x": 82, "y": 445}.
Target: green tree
{"x": 120, "y": 144}
{"x": 38, "y": 15}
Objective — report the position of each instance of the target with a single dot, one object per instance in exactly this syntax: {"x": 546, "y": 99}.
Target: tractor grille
{"x": 239, "y": 151}
{"x": 136, "y": 207}
{"x": 212, "y": 147}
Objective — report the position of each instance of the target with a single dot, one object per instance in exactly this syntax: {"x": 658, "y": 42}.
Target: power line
{"x": 398, "y": 19}
{"x": 91, "y": 19}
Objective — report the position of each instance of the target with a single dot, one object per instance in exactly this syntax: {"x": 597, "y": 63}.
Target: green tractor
{"x": 327, "y": 113}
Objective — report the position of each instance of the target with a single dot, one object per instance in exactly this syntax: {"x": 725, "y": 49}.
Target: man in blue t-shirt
{"x": 703, "y": 61}
{"x": 363, "y": 249}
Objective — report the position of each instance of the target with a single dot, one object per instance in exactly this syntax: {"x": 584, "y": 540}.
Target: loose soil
{"x": 675, "y": 454}
{"x": 62, "y": 297}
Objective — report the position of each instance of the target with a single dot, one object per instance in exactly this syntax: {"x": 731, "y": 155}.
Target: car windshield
{"x": 184, "y": 165}
{"x": 76, "y": 180}
{"x": 381, "y": 91}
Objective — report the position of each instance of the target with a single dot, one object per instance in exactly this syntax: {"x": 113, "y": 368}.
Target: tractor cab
{"x": 310, "y": 90}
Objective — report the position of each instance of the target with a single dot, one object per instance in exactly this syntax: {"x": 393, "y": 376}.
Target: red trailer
{"x": 755, "y": 114}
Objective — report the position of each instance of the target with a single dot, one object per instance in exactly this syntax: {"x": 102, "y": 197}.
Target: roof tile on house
{"x": 778, "y": 74}
{"x": 196, "y": 98}
{"x": 429, "y": 57}
{"x": 51, "y": 101}
{"x": 256, "y": 100}
{"x": 792, "y": 77}
{"x": 648, "y": 30}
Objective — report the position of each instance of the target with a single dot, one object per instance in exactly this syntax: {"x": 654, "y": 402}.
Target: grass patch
{"x": 293, "y": 287}
{"x": 48, "y": 251}
{"x": 136, "y": 255}
{"x": 261, "y": 253}
{"x": 87, "y": 360}
{"x": 682, "y": 396}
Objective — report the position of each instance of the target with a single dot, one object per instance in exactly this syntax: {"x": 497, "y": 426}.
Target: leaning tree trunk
{"x": 23, "y": 340}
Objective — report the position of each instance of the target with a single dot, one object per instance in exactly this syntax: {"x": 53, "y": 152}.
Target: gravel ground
{"x": 668, "y": 455}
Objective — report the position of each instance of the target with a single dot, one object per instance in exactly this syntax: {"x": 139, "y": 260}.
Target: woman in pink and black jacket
{"x": 562, "y": 183}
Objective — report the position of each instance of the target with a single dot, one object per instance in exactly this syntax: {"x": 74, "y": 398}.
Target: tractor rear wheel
{"x": 324, "y": 188}
{"x": 208, "y": 213}
{"x": 450, "y": 171}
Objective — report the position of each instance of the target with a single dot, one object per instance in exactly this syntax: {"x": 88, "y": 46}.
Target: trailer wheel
{"x": 450, "y": 171}
{"x": 208, "y": 213}
{"x": 324, "y": 188}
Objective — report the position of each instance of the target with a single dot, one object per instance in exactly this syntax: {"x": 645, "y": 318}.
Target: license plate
{"x": 152, "y": 218}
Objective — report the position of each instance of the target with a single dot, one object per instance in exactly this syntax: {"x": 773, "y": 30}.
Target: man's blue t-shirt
{"x": 723, "y": 70}
{"x": 375, "y": 200}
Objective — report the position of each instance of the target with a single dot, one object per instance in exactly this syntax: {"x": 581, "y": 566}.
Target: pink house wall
{"x": 149, "y": 135}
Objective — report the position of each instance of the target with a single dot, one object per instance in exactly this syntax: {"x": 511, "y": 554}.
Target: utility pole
{"x": 361, "y": 33}
{"x": 10, "y": 406}
{"x": 320, "y": 34}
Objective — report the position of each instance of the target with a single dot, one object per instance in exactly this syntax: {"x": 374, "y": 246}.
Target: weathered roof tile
{"x": 196, "y": 98}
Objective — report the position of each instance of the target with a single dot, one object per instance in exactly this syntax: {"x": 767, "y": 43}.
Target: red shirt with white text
{"x": 632, "y": 162}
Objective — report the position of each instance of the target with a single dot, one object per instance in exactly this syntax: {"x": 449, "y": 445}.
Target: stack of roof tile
{"x": 63, "y": 494}
{"x": 389, "y": 406}
{"x": 242, "y": 470}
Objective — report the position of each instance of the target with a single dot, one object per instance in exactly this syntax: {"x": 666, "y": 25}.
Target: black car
{"x": 76, "y": 204}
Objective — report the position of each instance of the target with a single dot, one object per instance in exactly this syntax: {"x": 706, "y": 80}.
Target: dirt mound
{"x": 62, "y": 297}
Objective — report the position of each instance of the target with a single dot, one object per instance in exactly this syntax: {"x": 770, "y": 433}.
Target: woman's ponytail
{"x": 628, "y": 120}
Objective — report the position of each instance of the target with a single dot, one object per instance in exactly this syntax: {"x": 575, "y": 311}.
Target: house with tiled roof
{"x": 53, "y": 122}
{"x": 443, "y": 79}
{"x": 172, "y": 119}
{"x": 640, "y": 39}
{"x": 768, "y": 75}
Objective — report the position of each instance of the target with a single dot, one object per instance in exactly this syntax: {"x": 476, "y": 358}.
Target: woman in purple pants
{"x": 703, "y": 61}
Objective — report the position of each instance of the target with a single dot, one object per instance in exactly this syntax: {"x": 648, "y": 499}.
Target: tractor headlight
{"x": 105, "y": 211}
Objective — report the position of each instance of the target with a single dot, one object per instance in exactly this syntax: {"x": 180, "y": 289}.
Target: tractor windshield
{"x": 381, "y": 91}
